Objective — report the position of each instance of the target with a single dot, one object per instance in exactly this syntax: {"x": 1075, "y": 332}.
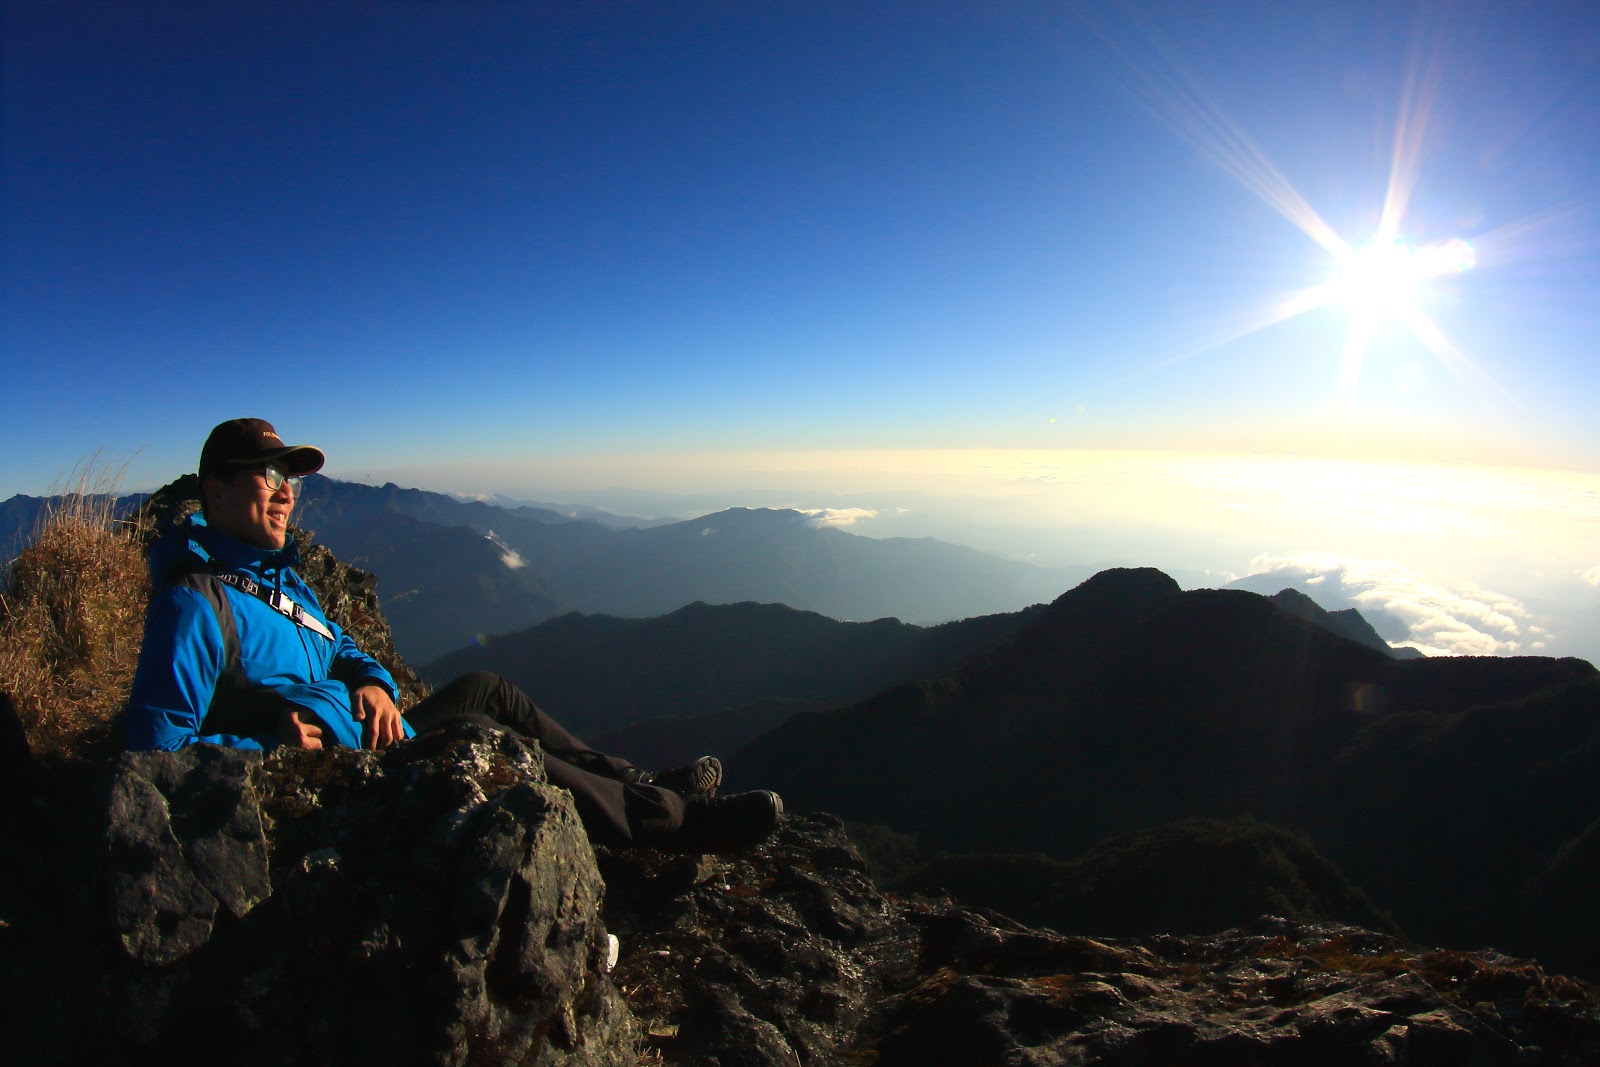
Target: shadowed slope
{"x": 1129, "y": 704}
{"x": 599, "y": 672}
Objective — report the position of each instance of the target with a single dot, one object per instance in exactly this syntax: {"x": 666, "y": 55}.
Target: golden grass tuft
{"x": 72, "y": 608}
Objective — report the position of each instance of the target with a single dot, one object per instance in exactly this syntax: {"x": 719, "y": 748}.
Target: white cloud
{"x": 1220, "y": 575}
{"x": 1592, "y": 575}
{"x": 508, "y": 555}
{"x": 836, "y": 518}
{"x": 1463, "y": 621}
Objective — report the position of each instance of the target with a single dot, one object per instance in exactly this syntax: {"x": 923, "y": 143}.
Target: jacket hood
{"x": 192, "y": 545}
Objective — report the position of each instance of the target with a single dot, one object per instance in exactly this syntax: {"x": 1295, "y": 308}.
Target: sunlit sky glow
{"x": 1330, "y": 268}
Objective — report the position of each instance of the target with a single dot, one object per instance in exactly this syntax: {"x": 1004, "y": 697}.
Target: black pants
{"x": 614, "y": 811}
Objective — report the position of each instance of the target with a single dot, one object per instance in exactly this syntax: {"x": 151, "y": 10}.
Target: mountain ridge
{"x": 600, "y": 672}
{"x": 1129, "y": 704}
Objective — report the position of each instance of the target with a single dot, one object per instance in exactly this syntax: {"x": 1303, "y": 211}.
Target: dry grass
{"x": 71, "y": 621}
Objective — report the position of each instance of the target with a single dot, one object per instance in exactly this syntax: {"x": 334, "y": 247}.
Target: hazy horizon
{"x": 1477, "y": 560}
{"x": 1449, "y": 558}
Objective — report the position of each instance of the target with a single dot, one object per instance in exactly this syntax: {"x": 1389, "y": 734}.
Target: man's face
{"x": 244, "y": 507}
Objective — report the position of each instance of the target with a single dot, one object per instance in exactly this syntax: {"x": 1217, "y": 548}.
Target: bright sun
{"x": 1387, "y": 279}
{"x": 1386, "y": 282}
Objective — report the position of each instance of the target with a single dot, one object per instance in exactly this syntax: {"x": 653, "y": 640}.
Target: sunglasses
{"x": 274, "y": 477}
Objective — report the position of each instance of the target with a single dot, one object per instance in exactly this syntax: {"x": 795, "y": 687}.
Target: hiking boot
{"x": 730, "y": 823}
{"x": 697, "y": 779}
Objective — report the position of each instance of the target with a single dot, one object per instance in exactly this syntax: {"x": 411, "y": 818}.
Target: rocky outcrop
{"x": 792, "y": 956}
{"x": 439, "y": 903}
{"x": 436, "y": 903}
{"x": 1280, "y": 992}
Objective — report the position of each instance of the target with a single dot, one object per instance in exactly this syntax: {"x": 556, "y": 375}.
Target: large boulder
{"x": 435, "y": 903}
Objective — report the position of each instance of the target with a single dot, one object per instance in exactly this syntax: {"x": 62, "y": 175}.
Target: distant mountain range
{"x": 597, "y": 673}
{"x": 713, "y": 677}
{"x": 576, "y": 511}
{"x": 1461, "y": 793}
{"x": 21, "y": 515}
{"x": 534, "y": 563}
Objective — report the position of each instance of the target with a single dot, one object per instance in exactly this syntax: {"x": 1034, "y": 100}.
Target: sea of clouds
{"x": 1409, "y": 608}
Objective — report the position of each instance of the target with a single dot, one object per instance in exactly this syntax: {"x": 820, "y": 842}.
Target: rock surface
{"x": 790, "y": 955}
{"x": 439, "y": 903}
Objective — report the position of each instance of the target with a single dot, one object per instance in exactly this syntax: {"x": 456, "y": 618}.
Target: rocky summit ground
{"x": 791, "y": 955}
{"x": 438, "y": 903}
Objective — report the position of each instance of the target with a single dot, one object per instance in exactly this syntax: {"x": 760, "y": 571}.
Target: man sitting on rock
{"x": 237, "y": 652}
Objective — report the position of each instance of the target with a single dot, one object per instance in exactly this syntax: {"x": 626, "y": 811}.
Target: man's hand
{"x": 380, "y": 720}
{"x": 295, "y": 732}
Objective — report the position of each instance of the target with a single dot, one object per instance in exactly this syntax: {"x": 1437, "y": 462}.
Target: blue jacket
{"x": 183, "y": 662}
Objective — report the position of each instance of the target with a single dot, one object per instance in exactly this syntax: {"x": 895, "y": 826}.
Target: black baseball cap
{"x": 254, "y": 443}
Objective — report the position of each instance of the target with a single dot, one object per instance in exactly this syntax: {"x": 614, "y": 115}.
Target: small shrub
{"x": 72, "y": 610}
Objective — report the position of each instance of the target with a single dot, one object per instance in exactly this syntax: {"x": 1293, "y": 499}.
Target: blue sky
{"x": 520, "y": 245}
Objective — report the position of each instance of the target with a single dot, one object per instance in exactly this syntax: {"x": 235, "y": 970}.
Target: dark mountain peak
{"x": 1100, "y": 602}
{"x": 1297, "y": 603}
{"x": 751, "y": 527}
{"x": 743, "y": 609}
{"x": 1239, "y": 638}
{"x": 1121, "y": 585}
{"x": 770, "y": 614}
{"x": 1217, "y": 696}
{"x": 749, "y": 518}
{"x": 1346, "y": 622}
{"x": 1129, "y": 631}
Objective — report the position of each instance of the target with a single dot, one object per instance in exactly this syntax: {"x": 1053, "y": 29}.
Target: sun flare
{"x": 1388, "y": 279}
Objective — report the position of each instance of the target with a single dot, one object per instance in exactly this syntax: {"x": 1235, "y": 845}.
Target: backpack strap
{"x": 236, "y": 706}
{"x": 205, "y": 583}
{"x": 277, "y": 600}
